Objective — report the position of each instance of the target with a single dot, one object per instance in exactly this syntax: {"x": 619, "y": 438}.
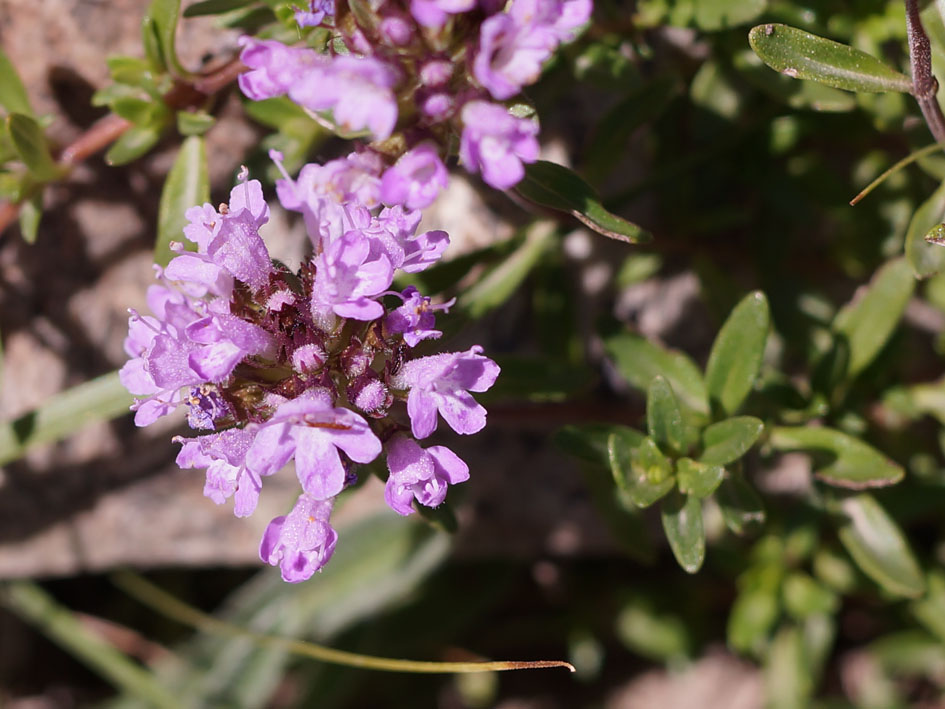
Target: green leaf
{"x": 31, "y": 603}
{"x": 878, "y": 547}
{"x": 803, "y": 596}
{"x": 31, "y": 212}
{"x": 788, "y": 682}
{"x": 714, "y": 15}
{"x": 643, "y": 472}
{"x": 727, "y": 441}
{"x": 802, "y": 55}
{"x": 13, "y": 96}
{"x": 639, "y": 361}
{"x": 737, "y": 353}
{"x": 498, "y": 285}
{"x": 742, "y": 508}
{"x": 590, "y": 442}
{"x": 30, "y": 145}
{"x": 869, "y": 320}
{"x": 100, "y": 399}
{"x": 699, "y": 479}
{"x": 682, "y": 522}
{"x": 152, "y": 45}
{"x": 926, "y": 258}
{"x": 163, "y": 15}
{"x": 930, "y": 609}
{"x": 845, "y": 461}
{"x": 134, "y": 109}
{"x": 134, "y": 142}
{"x": 610, "y": 137}
{"x": 663, "y": 417}
{"x": 187, "y": 185}
{"x": 556, "y": 187}
{"x": 752, "y": 617}
{"x": 658, "y": 636}
{"x": 214, "y": 7}
{"x": 129, "y": 70}
{"x": 796, "y": 94}
{"x": 196, "y": 123}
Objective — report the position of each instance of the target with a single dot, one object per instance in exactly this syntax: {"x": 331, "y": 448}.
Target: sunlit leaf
{"x": 878, "y": 546}
{"x": 682, "y": 522}
{"x": 664, "y": 419}
{"x": 869, "y": 321}
{"x": 737, "y": 353}
{"x": 556, "y": 187}
{"x": 640, "y": 360}
{"x": 133, "y": 143}
{"x": 840, "y": 459}
{"x": 727, "y": 441}
{"x": 163, "y": 14}
{"x": 31, "y": 212}
{"x": 926, "y": 259}
{"x": 187, "y": 185}
{"x": 802, "y": 55}
{"x": 13, "y": 96}
{"x": 643, "y": 473}
{"x": 699, "y": 479}
{"x": 30, "y": 145}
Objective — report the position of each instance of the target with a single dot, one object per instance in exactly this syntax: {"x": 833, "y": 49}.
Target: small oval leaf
{"x": 727, "y": 441}
{"x": 30, "y": 145}
{"x": 682, "y": 522}
{"x": 639, "y": 360}
{"x": 13, "y": 96}
{"x": 848, "y": 461}
{"x": 133, "y": 143}
{"x": 737, "y": 353}
{"x": 699, "y": 479}
{"x": 664, "y": 419}
{"x": 802, "y": 55}
{"x": 878, "y": 546}
{"x": 556, "y": 187}
{"x": 187, "y": 185}
{"x": 31, "y": 212}
{"x": 643, "y": 473}
{"x": 926, "y": 258}
{"x": 869, "y": 320}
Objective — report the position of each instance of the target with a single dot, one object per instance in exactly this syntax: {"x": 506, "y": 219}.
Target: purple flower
{"x": 511, "y": 54}
{"x": 415, "y": 319}
{"x": 442, "y": 383}
{"x": 420, "y": 474}
{"x": 356, "y": 89}
{"x": 562, "y": 17}
{"x": 220, "y": 341}
{"x": 312, "y": 430}
{"x": 394, "y": 232}
{"x": 223, "y": 455}
{"x": 496, "y": 143}
{"x": 348, "y": 278}
{"x": 302, "y": 542}
{"x": 415, "y": 179}
{"x": 317, "y": 10}
{"x": 434, "y": 13}
{"x": 228, "y": 243}
{"x": 275, "y": 68}
{"x": 396, "y": 27}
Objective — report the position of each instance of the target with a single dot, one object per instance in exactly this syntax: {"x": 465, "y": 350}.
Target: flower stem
{"x": 171, "y": 607}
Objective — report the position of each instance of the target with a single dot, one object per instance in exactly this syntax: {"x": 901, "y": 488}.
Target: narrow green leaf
{"x": 30, "y": 145}
{"x": 869, "y": 320}
{"x": 803, "y": 596}
{"x": 877, "y": 545}
{"x": 164, "y": 14}
{"x": 926, "y": 258}
{"x": 753, "y": 615}
{"x": 31, "y": 212}
{"x": 663, "y": 417}
{"x": 699, "y": 479}
{"x": 808, "y": 95}
{"x": 610, "y": 137}
{"x": 737, "y": 353}
{"x": 840, "y": 459}
{"x": 152, "y": 45}
{"x": 556, "y": 187}
{"x": 727, "y": 441}
{"x": 930, "y": 609}
{"x": 500, "y": 283}
{"x": 639, "y": 361}
{"x": 59, "y": 624}
{"x": 100, "y": 399}
{"x": 788, "y": 682}
{"x": 196, "y": 123}
{"x": 802, "y": 55}
{"x": 133, "y": 143}
{"x": 643, "y": 472}
{"x": 187, "y": 185}
{"x": 134, "y": 109}
{"x": 742, "y": 508}
{"x": 682, "y": 522}
{"x": 128, "y": 70}
{"x": 590, "y": 441}
{"x": 13, "y": 96}
{"x": 214, "y": 7}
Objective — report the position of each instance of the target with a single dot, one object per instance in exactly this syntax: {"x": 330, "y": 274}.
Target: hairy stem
{"x": 925, "y": 85}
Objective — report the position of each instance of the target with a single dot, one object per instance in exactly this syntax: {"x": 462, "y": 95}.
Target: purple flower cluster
{"x": 316, "y": 366}
{"x": 431, "y": 72}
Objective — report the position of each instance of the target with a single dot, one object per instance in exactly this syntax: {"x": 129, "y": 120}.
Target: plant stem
{"x": 924, "y": 84}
